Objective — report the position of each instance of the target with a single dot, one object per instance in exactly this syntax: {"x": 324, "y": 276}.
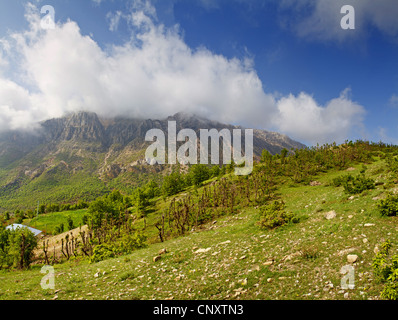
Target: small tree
{"x": 22, "y": 244}
{"x": 198, "y": 173}
{"x": 172, "y": 184}
{"x": 70, "y": 223}
{"x": 141, "y": 205}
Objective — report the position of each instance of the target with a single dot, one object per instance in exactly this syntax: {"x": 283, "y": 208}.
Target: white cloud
{"x": 308, "y": 121}
{"x": 320, "y": 19}
{"x": 394, "y": 100}
{"x": 154, "y": 75}
{"x": 114, "y": 19}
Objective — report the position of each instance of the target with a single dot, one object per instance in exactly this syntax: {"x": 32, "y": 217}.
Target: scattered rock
{"x": 352, "y": 258}
{"x": 96, "y": 275}
{"x": 351, "y": 169}
{"x": 351, "y": 198}
{"x": 346, "y": 295}
{"x": 315, "y": 183}
{"x": 225, "y": 242}
{"x": 269, "y": 280}
{"x": 256, "y": 267}
{"x": 242, "y": 257}
{"x": 157, "y": 258}
{"x": 202, "y": 250}
{"x": 368, "y": 224}
{"x": 330, "y": 215}
{"x": 268, "y": 263}
{"x": 328, "y": 286}
{"x": 162, "y": 251}
{"x": 346, "y": 251}
{"x": 291, "y": 256}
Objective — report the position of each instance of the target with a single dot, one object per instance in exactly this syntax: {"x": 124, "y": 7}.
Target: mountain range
{"x": 81, "y": 155}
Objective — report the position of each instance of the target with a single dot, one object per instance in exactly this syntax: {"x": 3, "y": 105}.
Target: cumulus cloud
{"x": 308, "y": 121}
{"x": 153, "y": 75}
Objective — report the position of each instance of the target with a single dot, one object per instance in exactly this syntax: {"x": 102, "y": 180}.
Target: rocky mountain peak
{"x": 83, "y": 126}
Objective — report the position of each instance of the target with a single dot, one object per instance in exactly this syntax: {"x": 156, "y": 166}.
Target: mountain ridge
{"x": 90, "y": 154}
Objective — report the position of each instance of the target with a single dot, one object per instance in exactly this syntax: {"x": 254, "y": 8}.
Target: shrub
{"x": 386, "y": 270}
{"x": 197, "y": 174}
{"x": 103, "y": 251}
{"x": 354, "y": 185}
{"x": 274, "y": 215}
{"x": 59, "y": 229}
{"x": 359, "y": 184}
{"x": 172, "y": 184}
{"x": 130, "y": 242}
{"x": 124, "y": 245}
{"x": 392, "y": 163}
{"x": 309, "y": 253}
{"x": 70, "y": 223}
{"x": 339, "y": 181}
{"x": 388, "y": 206}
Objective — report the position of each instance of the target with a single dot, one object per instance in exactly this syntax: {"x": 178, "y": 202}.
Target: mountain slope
{"x": 233, "y": 259}
{"x": 82, "y": 156}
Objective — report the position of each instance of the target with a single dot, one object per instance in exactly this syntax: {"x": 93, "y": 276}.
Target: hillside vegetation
{"x": 290, "y": 230}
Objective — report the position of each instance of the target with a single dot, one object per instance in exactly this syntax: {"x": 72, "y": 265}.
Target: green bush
{"x": 124, "y": 245}
{"x": 173, "y": 184}
{"x": 129, "y": 243}
{"x": 386, "y": 270}
{"x": 197, "y": 174}
{"x": 341, "y": 180}
{"x": 274, "y": 215}
{"x": 103, "y": 251}
{"x": 388, "y": 206}
{"x": 354, "y": 185}
{"x": 392, "y": 163}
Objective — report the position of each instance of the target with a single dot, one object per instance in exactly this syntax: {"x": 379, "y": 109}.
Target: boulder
{"x": 352, "y": 258}
{"x": 330, "y": 215}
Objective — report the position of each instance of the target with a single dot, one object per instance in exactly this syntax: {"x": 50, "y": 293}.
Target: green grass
{"x": 48, "y": 222}
{"x": 233, "y": 270}
{"x": 306, "y": 257}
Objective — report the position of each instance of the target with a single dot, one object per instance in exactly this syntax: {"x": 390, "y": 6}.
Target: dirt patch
{"x": 55, "y": 244}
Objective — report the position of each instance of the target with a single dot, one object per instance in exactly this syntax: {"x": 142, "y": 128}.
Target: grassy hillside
{"x": 231, "y": 257}
{"x": 49, "y": 222}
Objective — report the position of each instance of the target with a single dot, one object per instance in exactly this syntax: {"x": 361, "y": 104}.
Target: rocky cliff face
{"x": 82, "y": 154}
{"x": 106, "y": 148}
{"x": 87, "y": 127}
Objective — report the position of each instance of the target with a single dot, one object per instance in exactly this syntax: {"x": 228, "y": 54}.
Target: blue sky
{"x": 285, "y": 65}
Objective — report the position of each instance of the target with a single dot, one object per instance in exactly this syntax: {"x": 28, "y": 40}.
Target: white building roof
{"x": 16, "y": 226}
